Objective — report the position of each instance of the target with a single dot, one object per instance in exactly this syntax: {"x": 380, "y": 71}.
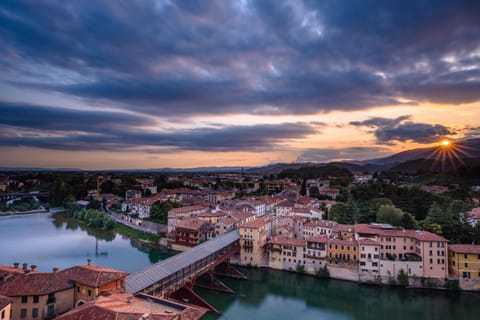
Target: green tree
{"x": 159, "y": 211}
{"x": 303, "y": 189}
{"x": 341, "y": 213}
{"x": 390, "y": 214}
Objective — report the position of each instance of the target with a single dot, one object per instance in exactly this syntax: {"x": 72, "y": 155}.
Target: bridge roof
{"x": 140, "y": 280}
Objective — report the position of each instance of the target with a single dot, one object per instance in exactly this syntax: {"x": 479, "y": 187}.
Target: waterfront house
{"x": 253, "y": 237}
{"x": 369, "y": 262}
{"x": 286, "y": 253}
{"x": 464, "y": 264}
{"x": 191, "y": 231}
{"x": 343, "y": 252}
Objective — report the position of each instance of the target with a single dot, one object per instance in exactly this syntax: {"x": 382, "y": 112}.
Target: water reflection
{"x": 59, "y": 241}
{"x": 277, "y": 295}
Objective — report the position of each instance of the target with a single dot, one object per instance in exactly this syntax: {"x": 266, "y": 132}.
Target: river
{"x": 60, "y": 242}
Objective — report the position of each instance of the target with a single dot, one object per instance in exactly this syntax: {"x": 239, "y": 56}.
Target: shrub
{"x": 323, "y": 272}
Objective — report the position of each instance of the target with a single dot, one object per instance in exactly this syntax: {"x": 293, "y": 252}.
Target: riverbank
{"x": 17, "y": 213}
{"x": 136, "y": 234}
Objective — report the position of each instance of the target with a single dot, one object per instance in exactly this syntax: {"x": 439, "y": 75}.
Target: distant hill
{"x": 457, "y": 150}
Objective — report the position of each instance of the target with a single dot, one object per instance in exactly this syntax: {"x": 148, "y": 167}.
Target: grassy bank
{"x": 127, "y": 231}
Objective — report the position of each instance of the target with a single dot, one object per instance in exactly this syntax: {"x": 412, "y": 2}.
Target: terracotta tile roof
{"x": 416, "y": 234}
{"x": 320, "y": 223}
{"x": 124, "y": 306}
{"x": 94, "y": 276}
{"x": 212, "y": 214}
{"x": 344, "y": 228}
{"x": 34, "y": 283}
{"x": 4, "y": 301}
{"x": 187, "y": 209}
{"x": 240, "y": 215}
{"x": 287, "y": 241}
{"x": 191, "y": 223}
{"x": 350, "y": 241}
{"x": 465, "y": 248}
{"x": 227, "y": 221}
{"x": 255, "y": 224}
{"x": 319, "y": 239}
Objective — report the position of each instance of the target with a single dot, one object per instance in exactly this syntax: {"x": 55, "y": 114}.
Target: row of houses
{"x": 361, "y": 252}
{"x": 80, "y": 292}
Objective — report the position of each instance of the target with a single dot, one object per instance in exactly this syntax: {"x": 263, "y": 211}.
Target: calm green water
{"x": 60, "y": 242}
{"x": 271, "y": 294}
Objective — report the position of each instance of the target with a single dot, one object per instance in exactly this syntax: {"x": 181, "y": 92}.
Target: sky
{"x": 154, "y": 84}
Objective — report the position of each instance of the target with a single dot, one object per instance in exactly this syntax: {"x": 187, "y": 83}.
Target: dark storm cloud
{"x": 50, "y": 118}
{"x": 387, "y": 131}
{"x": 260, "y": 57}
{"x": 329, "y": 154}
{"x": 65, "y": 129}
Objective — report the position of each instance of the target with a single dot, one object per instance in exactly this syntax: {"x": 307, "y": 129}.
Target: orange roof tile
{"x": 287, "y": 241}
{"x": 255, "y": 224}
{"x": 465, "y": 248}
{"x": 94, "y": 276}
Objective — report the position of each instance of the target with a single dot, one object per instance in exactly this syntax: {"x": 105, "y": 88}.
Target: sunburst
{"x": 448, "y": 151}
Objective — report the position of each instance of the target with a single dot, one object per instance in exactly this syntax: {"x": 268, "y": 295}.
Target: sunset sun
{"x": 445, "y": 143}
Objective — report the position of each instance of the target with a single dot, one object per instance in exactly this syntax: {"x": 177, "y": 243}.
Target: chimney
{"x": 89, "y": 261}
{"x": 55, "y": 269}
{"x": 34, "y": 267}
{"x": 25, "y": 266}
{"x": 15, "y": 265}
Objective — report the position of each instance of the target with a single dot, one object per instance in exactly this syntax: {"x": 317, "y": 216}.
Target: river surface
{"x": 268, "y": 294}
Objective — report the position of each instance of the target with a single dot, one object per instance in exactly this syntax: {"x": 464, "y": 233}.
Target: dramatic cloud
{"x": 354, "y": 153}
{"x": 65, "y": 129}
{"x": 388, "y": 131}
{"x": 257, "y": 57}
{"x": 61, "y": 119}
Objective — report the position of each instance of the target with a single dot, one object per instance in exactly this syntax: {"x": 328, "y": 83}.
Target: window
{"x": 466, "y": 265}
{"x": 36, "y": 299}
{"x": 24, "y": 299}
{"x": 23, "y": 313}
{"x": 51, "y": 310}
{"x": 465, "y": 256}
{"x": 78, "y": 288}
{"x": 35, "y": 313}
{"x": 3, "y": 314}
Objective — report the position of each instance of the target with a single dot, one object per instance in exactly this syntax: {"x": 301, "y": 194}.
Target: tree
{"x": 313, "y": 192}
{"x": 408, "y": 221}
{"x": 390, "y": 214}
{"x": 94, "y": 204}
{"x": 341, "y": 213}
{"x": 159, "y": 211}
{"x": 303, "y": 189}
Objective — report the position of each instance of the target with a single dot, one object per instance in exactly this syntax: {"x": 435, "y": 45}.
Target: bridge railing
{"x": 187, "y": 275}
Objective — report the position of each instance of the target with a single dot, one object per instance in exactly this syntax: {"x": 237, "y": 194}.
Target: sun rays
{"x": 449, "y": 153}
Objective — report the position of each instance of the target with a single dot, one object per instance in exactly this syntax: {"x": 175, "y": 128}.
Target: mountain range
{"x": 440, "y": 158}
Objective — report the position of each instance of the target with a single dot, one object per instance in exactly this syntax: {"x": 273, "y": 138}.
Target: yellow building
{"x": 253, "y": 237}
{"x": 343, "y": 252}
{"x": 36, "y": 295}
{"x": 464, "y": 263}
{"x": 5, "y": 307}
